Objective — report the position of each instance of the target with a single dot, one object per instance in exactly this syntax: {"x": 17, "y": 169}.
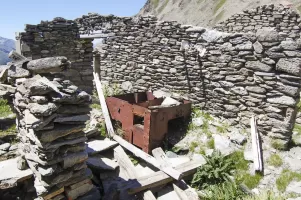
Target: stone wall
{"x": 60, "y": 37}
{"x": 239, "y": 75}
{"x": 283, "y": 19}
{"x": 233, "y": 75}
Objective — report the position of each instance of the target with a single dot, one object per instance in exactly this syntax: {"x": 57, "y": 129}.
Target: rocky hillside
{"x": 206, "y": 13}
{"x": 6, "y": 45}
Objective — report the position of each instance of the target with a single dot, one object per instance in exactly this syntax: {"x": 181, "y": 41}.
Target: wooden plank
{"x": 131, "y": 173}
{"x": 160, "y": 178}
{"x": 181, "y": 194}
{"x": 161, "y": 157}
{"x": 53, "y": 194}
{"x": 103, "y": 104}
{"x": 189, "y": 192}
{"x": 257, "y": 156}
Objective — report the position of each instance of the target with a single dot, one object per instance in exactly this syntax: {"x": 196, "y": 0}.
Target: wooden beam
{"x": 130, "y": 172}
{"x": 162, "y": 159}
{"x": 160, "y": 178}
{"x": 257, "y": 156}
{"x": 181, "y": 193}
{"x": 103, "y": 104}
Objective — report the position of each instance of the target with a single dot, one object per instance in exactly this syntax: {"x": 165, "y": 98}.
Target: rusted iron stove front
{"x": 144, "y": 121}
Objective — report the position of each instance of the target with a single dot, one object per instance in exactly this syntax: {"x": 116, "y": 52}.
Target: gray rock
{"x": 13, "y": 147}
{"x": 256, "y": 89}
{"x": 289, "y": 65}
{"x": 42, "y": 109}
{"x": 39, "y": 99}
{"x": 294, "y": 164}
{"x": 257, "y": 65}
{"x": 47, "y": 65}
{"x": 197, "y": 121}
{"x": 127, "y": 86}
{"x": 2, "y": 152}
{"x": 5, "y": 146}
{"x": 284, "y": 100}
{"x": 267, "y": 35}
{"x": 212, "y": 35}
{"x": 18, "y": 72}
{"x": 221, "y": 59}
{"x": 289, "y": 45}
{"x": 171, "y": 154}
{"x": 238, "y": 138}
{"x": 257, "y": 47}
{"x": 289, "y": 90}
{"x": 21, "y": 163}
{"x": 294, "y": 187}
{"x": 245, "y": 46}
{"x": 223, "y": 144}
{"x": 235, "y": 78}
{"x": 239, "y": 91}
{"x": 3, "y": 75}
{"x": 81, "y": 119}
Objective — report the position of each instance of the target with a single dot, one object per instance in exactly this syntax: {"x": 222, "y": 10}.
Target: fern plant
{"x": 224, "y": 191}
{"x": 217, "y": 170}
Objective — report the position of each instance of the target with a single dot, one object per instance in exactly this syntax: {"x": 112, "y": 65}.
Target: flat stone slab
{"x": 10, "y": 175}
{"x": 102, "y": 163}
{"x": 98, "y": 146}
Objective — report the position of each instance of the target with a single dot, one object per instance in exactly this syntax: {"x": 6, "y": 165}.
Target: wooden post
{"x": 257, "y": 156}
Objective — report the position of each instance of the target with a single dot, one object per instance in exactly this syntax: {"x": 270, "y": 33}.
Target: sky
{"x": 14, "y": 14}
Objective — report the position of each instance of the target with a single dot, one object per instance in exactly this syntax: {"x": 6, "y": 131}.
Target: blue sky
{"x": 15, "y": 13}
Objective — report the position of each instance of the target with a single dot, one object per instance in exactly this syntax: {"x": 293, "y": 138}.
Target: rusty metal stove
{"x": 144, "y": 122}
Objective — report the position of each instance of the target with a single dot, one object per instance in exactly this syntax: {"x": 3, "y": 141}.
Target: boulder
{"x": 283, "y": 100}
{"x": 47, "y": 65}
{"x": 258, "y": 66}
{"x": 42, "y": 109}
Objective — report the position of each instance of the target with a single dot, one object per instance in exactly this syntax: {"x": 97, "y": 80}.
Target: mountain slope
{"x": 206, "y": 13}
{"x": 6, "y": 45}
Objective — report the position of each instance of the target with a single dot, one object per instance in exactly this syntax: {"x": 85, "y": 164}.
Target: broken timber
{"x": 161, "y": 157}
{"x": 130, "y": 172}
{"x": 136, "y": 151}
{"x": 257, "y": 156}
{"x": 159, "y": 178}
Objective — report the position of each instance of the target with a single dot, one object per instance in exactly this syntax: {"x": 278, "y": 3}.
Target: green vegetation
{"x": 223, "y": 191}
{"x": 267, "y": 195}
{"x": 297, "y": 128}
{"x": 219, "y": 5}
{"x": 285, "y": 178}
{"x": 210, "y": 143}
{"x": 223, "y": 128}
{"x": 95, "y": 106}
{"x": 5, "y": 110}
{"x": 240, "y": 162}
{"x": 219, "y": 16}
{"x": 163, "y": 6}
{"x": 134, "y": 159}
{"x": 275, "y": 160}
{"x": 251, "y": 181}
{"x": 112, "y": 90}
{"x": 299, "y": 103}
{"x": 155, "y": 3}
{"x": 102, "y": 129}
{"x": 217, "y": 170}
{"x": 192, "y": 146}
{"x": 276, "y": 144}
{"x": 10, "y": 131}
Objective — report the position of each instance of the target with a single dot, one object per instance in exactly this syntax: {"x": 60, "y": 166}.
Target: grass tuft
{"x": 276, "y": 144}
{"x": 210, "y": 143}
{"x": 5, "y": 110}
{"x": 95, "y": 106}
{"x": 192, "y": 146}
{"x": 285, "y": 178}
{"x": 219, "y": 5}
{"x": 275, "y": 160}
{"x": 240, "y": 162}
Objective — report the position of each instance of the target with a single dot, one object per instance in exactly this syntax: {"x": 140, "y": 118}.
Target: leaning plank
{"x": 189, "y": 192}
{"x": 138, "y": 152}
{"x": 160, "y": 178}
{"x": 129, "y": 169}
{"x": 104, "y": 107}
{"x": 257, "y": 156}
{"x": 161, "y": 157}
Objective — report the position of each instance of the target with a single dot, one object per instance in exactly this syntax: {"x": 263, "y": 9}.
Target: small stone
{"x": 5, "y": 146}
{"x": 258, "y": 47}
{"x": 238, "y": 138}
{"x": 127, "y": 86}
{"x": 267, "y": 35}
{"x": 21, "y": 163}
{"x": 256, "y": 89}
{"x": 235, "y": 78}
{"x": 197, "y": 121}
{"x": 39, "y": 99}
{"x": 42, "y": 109}
{"x": 289, "y": 45}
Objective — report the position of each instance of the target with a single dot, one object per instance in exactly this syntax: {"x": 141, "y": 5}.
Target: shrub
{"x": 275, "y": 160}
{"x": 217, "y": 169}
{"x": 285, "y": 178}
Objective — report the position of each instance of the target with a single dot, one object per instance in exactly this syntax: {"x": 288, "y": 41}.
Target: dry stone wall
{"x": 233, "y": 75}
{"x": 60, "y": 37}
{"x": 239, "y": 74}
{"x": 283, "y": 19}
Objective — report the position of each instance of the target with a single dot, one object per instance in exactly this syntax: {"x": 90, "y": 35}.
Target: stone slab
{"x": 10, "y": 175}
{"x": 98, "y": 146}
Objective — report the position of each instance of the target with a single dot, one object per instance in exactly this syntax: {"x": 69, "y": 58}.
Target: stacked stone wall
{"x": 233, "y": 75}
{"x": 60, "y": 37}
{"x": 283, "y": 19}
